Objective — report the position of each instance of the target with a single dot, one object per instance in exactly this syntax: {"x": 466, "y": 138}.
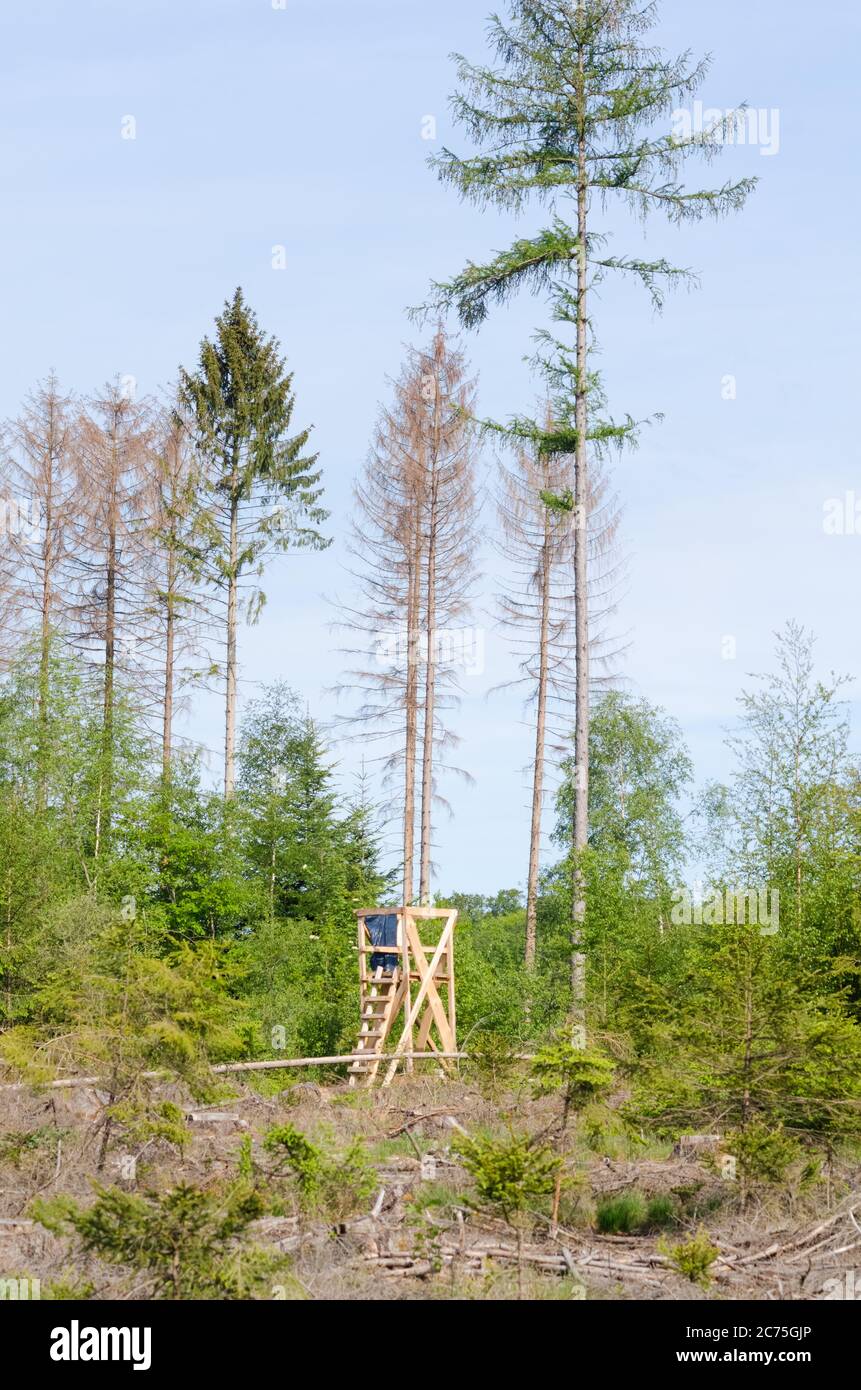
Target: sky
{"x": 155, "y": 154}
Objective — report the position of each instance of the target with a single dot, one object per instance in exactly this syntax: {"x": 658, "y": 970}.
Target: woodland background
{"x": 153, "y": 922}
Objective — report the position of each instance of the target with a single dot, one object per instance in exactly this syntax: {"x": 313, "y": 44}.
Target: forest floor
{"x": 419, "y": 1236}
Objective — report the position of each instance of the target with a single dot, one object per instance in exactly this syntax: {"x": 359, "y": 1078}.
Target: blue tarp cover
{"x": 383, "y": 931}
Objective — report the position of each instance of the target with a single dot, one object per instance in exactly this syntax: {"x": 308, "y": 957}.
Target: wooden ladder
{"x": 381, "y": 999}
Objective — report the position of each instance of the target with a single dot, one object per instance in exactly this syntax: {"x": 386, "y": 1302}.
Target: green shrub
{"x": 492, "y": 1062}
{"x": 692, "y": 1258}
{"x": 508, "y": 1173}
{"x": 630, "y": 1212}
{"x": 764, "y": 1152}
{"x": 16, "y": 1144}
{"x": 334, "y": 1186}
{"x": 193, "y": 1244}
{"x": 580, "y": 1074}
{"x": 71, "y": 1288}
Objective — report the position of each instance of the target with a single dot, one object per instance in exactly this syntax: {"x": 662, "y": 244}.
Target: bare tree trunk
{"x": 169, "y": 666}
{"x": 230, "y": 703}
{"x": 47, "y": 564}
{"x": 581, "y": 597}
{"x": 429, "y": 707}
{"x": 106, "y": 775}
{"x": 42, "y": 437}
{"x": 411, "y": 701}
{"x": 272, "y": 869}
{"x": 796, "y": 807}
{"x": 540, "y": 739}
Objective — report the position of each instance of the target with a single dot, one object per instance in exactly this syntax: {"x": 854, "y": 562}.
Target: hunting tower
{"x": 406, "y": 976}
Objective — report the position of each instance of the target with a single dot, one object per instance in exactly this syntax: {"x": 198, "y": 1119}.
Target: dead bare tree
{"x": 39, "y": 505}
{"x": 446, "y": 460}
{"x": 538, "y": 609}
{"x": 180, "y": 541}
{"x": 113, "y": 552}
{"x": 413, "y": 553}
{"x": 386, "y": 547}
{"x": 537, "y": 612}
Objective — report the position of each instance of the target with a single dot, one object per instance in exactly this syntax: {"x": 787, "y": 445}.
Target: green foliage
{"x": 692, "y": 1258}
{"x": 788, "y": 817}
{"x": 72, "y": 1289}
{"x": 509, "y": 1174}
{"x": 204, "y": 933}
{"x": 764, "y": 1153}
{"x": 494, "y": 987}
{"x": 190, "y": 1243}
{"x": 317, "y": 863}
{"x": 567, "y": 80}
{"x": 16, "y": 1145}
{"x": 110, "y": 1009}
{"x": 492, "y": 1061}
{"x": 240, "y": 401}
{"x": 301, "y": 983}
{"x": 334, "y": 1185}
{"x": 630, "y": 1213}
{"x": 579, "y": 1074}
{"x": 191, "y": 869}
{"x": 660, "y": 1211}
{"x": 622, "y": 1213}
{"x": 142, "y": 1118}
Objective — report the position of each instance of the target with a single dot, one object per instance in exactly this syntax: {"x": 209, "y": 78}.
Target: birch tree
{"x": 792, "y": 755}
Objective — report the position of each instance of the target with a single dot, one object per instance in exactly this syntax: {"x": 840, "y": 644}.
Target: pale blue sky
{"x": 301, "y": 127}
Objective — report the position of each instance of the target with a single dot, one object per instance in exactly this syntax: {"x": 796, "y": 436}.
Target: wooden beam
{"x": 424, "y": 988}
{"x": 227, "y": 1067}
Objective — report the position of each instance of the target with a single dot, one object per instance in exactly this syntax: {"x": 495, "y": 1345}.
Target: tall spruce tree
{"x": 576, "y": 112}
{"x": 262, "y": 492}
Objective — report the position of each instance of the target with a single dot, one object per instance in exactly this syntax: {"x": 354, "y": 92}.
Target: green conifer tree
{"x": 261, "y": 488}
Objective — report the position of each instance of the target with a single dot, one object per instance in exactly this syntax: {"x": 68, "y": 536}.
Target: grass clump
{"x": 631, "y": 1213}
{"x": 621, "y": 1214}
